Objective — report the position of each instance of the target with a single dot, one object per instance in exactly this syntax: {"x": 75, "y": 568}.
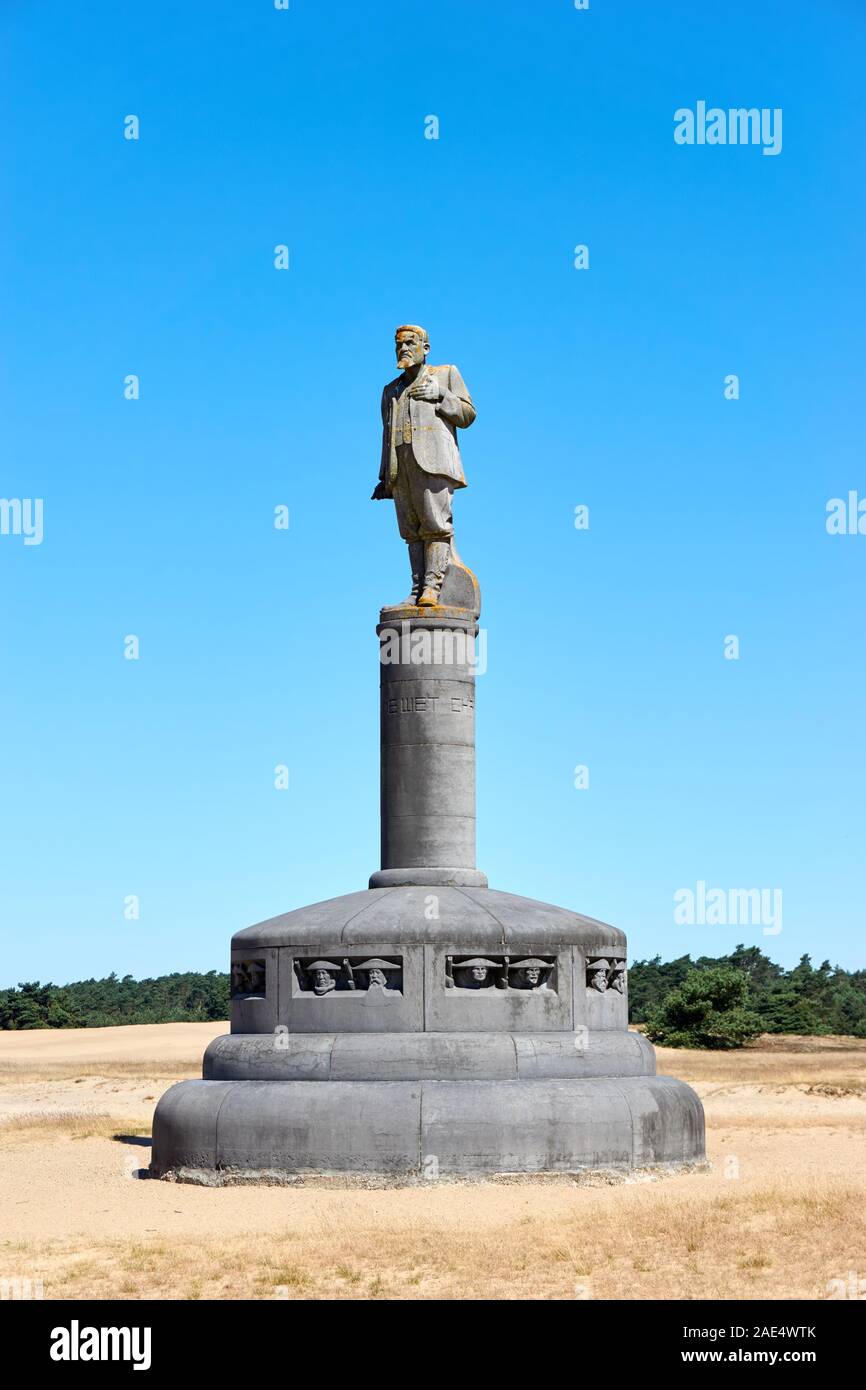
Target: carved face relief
{"x": 248, "y": 977}
{"x": 596, "y": 978}
{"x": 473, "y": 978}
{"x": 525, "y": 977}
{"x": 501, "y": 973}
{"x": 472, "y": 975}
{"x": 349, "y": 977}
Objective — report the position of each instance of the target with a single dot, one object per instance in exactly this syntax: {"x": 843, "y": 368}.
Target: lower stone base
{"x": 427, "y": 1056}
{"x": 365, "y": 1182}
{"x": 426, "y": 1128}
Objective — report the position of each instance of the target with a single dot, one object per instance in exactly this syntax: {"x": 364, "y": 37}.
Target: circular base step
{"x": 427, "y": 1128}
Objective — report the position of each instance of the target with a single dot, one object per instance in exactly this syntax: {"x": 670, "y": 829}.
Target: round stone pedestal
{"x": 427, "y": 1128}
{"x": 422, "y": 1031}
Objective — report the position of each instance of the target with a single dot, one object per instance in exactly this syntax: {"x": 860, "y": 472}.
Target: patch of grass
{"x": 641, "y": 1242}
{"x": 290, "y": 1276}
{"x": 186, "y": 1069}
{"x": 72, "y": 1124}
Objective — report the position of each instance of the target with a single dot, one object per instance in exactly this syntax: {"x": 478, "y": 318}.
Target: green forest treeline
{"x": 826, "y": 999}
{"x": 806, "y": 999}
{"x": 186, "y": 998}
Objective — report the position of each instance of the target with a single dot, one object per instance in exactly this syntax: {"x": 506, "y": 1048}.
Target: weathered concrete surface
{"x": 475, "y": 918}
{"x": 427, "y": 733}
{"x": 423, "y": 997}
{"x": 558, "y": 1126}
{"x": 412, "y": 874}
{"x": 602, "y": 1011}
{"x": 257, "y": 1013}
{"x": 423, "y": 925}
{"x": 433, "y": 1127}
{"x": 491, "y": 1079}
{"x": 185, "y": 1121}
{"x": 398, "y": 1030}
{"x": 426, "y": 1056}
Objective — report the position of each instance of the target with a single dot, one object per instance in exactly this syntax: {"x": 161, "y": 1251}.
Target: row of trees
{"x": 807, "y": 999}
{"x": 714, "y": 1001}
{"x": 178, "y": 998}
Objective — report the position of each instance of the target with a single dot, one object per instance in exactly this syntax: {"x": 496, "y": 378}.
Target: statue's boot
{"x": 416, "y": 562}
{"x": 438, "y": 558}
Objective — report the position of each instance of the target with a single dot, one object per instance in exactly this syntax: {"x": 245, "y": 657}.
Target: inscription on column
{"x": 429, "y": 704}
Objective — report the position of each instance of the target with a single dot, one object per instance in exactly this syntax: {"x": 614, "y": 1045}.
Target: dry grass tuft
{"x": 13, "y": 1070}
{"x": 801, "y": 1062}
{"x": 71, "y": 1124}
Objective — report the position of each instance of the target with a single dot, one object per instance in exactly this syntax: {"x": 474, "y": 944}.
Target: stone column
{"x": 427, "y": 723}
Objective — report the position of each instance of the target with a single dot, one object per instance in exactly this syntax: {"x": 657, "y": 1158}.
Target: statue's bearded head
{"x": 412, "y": 345}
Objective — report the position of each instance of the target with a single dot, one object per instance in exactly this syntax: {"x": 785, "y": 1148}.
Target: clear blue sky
{"x": 259, "y": 387}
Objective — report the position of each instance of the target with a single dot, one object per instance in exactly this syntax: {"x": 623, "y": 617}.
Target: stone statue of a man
{"x": 422, "y": 409}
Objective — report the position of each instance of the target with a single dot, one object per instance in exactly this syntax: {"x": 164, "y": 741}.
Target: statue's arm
{"x": 456, "y": 404}
{"x": 379, "y": 492}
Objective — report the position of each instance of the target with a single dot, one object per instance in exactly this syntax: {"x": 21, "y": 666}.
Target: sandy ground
{"x": 780, "y": 1214}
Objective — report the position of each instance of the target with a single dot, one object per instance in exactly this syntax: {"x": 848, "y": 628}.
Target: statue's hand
{"x": 378, "y": 494}
{"x": 428, "y": 389}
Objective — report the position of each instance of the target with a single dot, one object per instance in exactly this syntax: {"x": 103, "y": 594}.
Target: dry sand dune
{"x": 781, "y": 1213}
{"x": 164, "y": 1049}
